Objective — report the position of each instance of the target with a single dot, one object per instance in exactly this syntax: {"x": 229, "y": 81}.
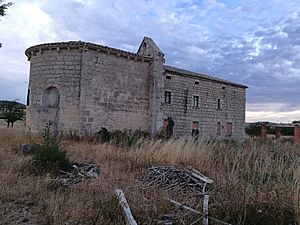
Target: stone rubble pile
{"x": 79, "y": 172}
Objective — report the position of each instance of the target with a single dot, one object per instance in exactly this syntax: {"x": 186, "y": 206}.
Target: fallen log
{"x": 126, "y": 210}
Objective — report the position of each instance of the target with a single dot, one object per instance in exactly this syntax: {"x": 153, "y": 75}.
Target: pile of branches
{"x": 79, "y": 172}
{"x": 172, "y": 178}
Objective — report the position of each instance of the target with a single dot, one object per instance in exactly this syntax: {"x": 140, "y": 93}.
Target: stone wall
{"x": 83, "y": 86}
{"x": 60, "y": 70}
{"x": 232, "y": 106}
{"x": 114, "y": 92}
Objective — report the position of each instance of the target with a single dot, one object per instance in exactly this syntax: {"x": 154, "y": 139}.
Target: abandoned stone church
{"x": 82, "y": 87}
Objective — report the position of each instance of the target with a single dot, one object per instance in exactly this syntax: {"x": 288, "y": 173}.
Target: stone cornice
{"x": 83, "y": 46}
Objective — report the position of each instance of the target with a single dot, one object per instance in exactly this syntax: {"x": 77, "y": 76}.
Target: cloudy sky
{"x": 253, "y": 42}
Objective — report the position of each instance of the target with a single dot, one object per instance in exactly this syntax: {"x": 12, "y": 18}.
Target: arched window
{"x": 51, "y": 97}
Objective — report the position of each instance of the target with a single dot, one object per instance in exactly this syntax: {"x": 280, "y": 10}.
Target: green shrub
{"x": 124, "y": 138}
{"x": 49, "y": 157}
{"x": 128, "y": 138}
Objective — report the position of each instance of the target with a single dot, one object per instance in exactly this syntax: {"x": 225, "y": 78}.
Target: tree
{"x": 3, "y": 7}
{"x": 253, "y": 129}
{"x": 11, "y": 111}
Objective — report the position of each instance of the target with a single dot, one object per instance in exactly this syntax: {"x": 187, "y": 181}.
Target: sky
{"x": 252, "y": 42}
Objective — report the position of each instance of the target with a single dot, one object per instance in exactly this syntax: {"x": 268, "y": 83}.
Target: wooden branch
{"x": 200, "y": 176}
{"x": 205, "y": 209}
{"x": 126, "y": 210}
{"x": 184, "y": 206}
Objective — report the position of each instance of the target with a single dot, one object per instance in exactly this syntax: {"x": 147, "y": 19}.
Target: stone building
{"x": 83, "y": 86}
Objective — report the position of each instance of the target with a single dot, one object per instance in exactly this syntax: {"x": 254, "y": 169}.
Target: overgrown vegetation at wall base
{"x": 49, "y": 157}
{"x": 124, "y": 138}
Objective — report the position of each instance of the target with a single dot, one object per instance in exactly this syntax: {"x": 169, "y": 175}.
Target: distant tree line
{"x": 254, "y": 129}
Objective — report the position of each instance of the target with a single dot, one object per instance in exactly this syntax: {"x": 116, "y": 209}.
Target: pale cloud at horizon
{"x": 256, "y": 43}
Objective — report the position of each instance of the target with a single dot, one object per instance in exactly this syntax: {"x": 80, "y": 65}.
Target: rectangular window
{"x": 229, "y": 129}
{"x": 219, "y": 103}
{"x": 168, "y": 77}
{"x": 168, "y": 97}
{"x": 195, "y": 101}
{"x": 218, "y": 128}
{"x": 197, "y": 82}
{"x": 195, "y": 125}
{"x": 28, "y": 95}
{"x": 195, "y": 128}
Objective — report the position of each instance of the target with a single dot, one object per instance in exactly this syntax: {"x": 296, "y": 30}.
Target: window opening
{"x": 218, "y": 128}
{"x": 229, "y": 129}
{"x": 168, "y": 97}
{"x": 195, "y": 101}
{"x": 195, "y": 128}
{"x": 28, "y": 100}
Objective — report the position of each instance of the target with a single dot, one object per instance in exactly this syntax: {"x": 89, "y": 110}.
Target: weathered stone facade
{"x": 83, "y": 86}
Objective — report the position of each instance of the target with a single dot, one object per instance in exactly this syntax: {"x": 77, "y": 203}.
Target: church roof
{"x": 183, "y": 72}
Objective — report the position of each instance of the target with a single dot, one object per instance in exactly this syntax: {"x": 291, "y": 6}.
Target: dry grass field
{"x": 19, "y": 125}
{"x": 254, "y": 182}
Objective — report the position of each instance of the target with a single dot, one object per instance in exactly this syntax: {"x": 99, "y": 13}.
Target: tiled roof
{"x": 178, "y": 71}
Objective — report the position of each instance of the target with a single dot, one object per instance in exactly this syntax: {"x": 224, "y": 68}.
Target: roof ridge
{"x": 201, "y": 75}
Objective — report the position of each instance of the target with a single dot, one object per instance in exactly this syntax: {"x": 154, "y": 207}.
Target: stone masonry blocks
{"x": 99, "y": 86}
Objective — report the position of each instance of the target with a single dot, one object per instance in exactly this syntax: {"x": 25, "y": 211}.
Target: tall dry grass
{"x": 256, "y": 182}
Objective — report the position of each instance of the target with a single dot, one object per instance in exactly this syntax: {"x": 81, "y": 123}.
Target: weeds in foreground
{"x": 255, "y": 182}
{"x": 49, "y": 157}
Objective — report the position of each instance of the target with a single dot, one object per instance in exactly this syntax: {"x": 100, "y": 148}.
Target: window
{"x": 168, "y": 77}
{"x": 28, "y": 95}
{"x": 229, "y": 129}
{"x": 195, "y": 101}
{"x": 219, "y": 103}
{"x": 223, "y": 88}
{"x": 168, "y": 97}
{"x": 195, "y": 128}
{"x": 218, "y": 128}
{"x": 197, "y": 82}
